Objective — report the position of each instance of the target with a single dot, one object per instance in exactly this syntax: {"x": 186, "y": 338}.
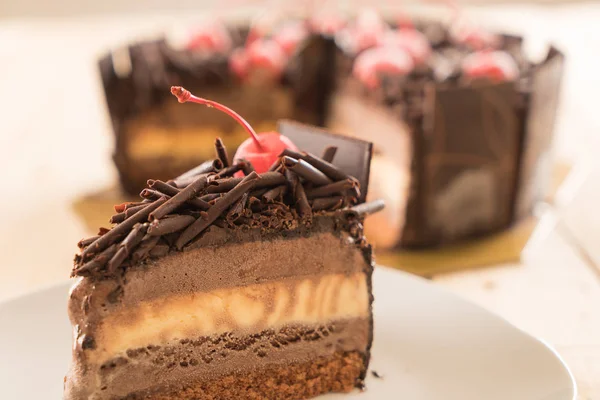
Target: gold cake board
{"x": 500, "y": 248}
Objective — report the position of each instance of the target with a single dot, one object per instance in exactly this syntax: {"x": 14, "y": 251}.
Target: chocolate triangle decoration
{"x": 536, "y": 159}
{"x": 353, "y": 156}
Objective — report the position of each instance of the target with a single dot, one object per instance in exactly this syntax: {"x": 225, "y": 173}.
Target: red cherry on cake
{"x": 372, "y": 62}
{"x": 497, "y": 66}
{"x": 260, "y": 149}
{"x": 212, "y": 37}
{"x": 290, "y": 36}
{"x": 411, "y": 40}
{"x": 239, "y": 63}
{"x": 327, "y": 23}
{"x": 369, "y": 29}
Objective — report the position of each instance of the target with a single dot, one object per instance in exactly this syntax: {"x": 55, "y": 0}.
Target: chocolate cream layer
{"x": 205, "y": 358}
{"x": 227, "y": 282}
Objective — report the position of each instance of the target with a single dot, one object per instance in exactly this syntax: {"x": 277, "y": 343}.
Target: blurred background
{"x": 56, "y": 145}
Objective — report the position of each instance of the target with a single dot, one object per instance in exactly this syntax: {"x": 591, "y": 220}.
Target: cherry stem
{"x": 184, "y": 96}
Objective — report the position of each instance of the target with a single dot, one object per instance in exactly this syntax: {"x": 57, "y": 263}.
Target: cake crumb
{"x": 376, "y": 374}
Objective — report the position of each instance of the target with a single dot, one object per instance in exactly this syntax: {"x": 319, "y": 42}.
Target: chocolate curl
{"x": 291, "y": 180}
{"x": 302, "y": 206}
{"x": 332, "y": 172}
{"x": 291, "y": 153}
{"x": 86, "y": 242}
{"x": 210, "y": 197}
{"x": 171, "y": 191}
{"x": 215, "y": 211}
{"x": 229, "y": 171}
{"x": 160, "y": 250}
{"x": 169, "y": 224}
{"x": 97, "y": 262}
{"x": 117, "y": 218}
{"x": 275, "y": 194}
{"x": 247, "y": 167}
{"x": 180, "y": 198}
{"x": 329, "y": 154}
{"x": 119, "y": 208}
{"x": 144, "y": 248}
{"x": 134, "y": 237}
{"x": 331, "y": 189}
{"x": 221, "y": 152}
{"x": 151, "y": 194}
{"x": 306, "y": 171}
{"x": 123, "y": 228}
{"x": 103, "y": 231}
{"x": 368, "y": 208}
{"x": 237, "y": 210}
{"x": 206, "y": 167}
{"x": 267, "y": 179}
{"x": 328, "y": 203}
{"x": 276, "y": 164}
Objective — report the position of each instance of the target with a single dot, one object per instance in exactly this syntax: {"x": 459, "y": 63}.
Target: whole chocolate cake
{"x": 225, "y": 283}
{"x": 461, "y": 120}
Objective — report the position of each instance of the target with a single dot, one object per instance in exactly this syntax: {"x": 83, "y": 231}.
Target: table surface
{"x": 55, "y": 146}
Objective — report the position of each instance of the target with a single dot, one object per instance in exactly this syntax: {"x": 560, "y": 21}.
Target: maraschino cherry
{"x": 371, "y": 63}
{"x": 410, "y": 40}
{"x": 260, "y": 149}
{"x": 263, "y": 53}
{"x": 367, "y": 31}
{"x": 498, "y": 66}
{"x": 213, "y": 37}
{"x": 327, "y": 23}
{"x": 290, "y": 35}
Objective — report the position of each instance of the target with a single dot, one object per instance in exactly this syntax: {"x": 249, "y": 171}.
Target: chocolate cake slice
{"x": 225, "y": 283}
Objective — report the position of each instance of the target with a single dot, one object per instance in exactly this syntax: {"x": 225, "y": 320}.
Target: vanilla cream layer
{"x": 251, "y": 308}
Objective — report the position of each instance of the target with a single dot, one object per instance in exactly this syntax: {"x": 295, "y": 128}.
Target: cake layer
{"x": 207, "y": 359}
{"x": 222, "y": 258}
{"x": 340, "y": 372}
{"x": 250, "y": 309}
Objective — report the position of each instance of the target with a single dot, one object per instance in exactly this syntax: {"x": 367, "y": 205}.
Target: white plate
{"x": 429, "y": 345}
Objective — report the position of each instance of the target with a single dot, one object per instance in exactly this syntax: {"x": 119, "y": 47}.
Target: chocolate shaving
{"x": 117, "y": 260}
{"x": 119, "y": 208}
{"x": 328, "y": 203}
{"x": 120, "y": 230}
{"x": 169, "y": 224}
{"x": 210, "y": 197}
{"x": 369, "y": 208}
{"x": 144, "y": 248}
{"x": 160, "y": 250}
{"x": 180, "y": 198}
{"x": 276, "y": 164}
{"x": 247, "y": 167}
{"x": 151, "y": 194}
{"x": 134, "y": 237}
{"x": 266, "y": 180}
{"x": 103, "y": 231}
{"x": 291, "y": 180}
{"x": 206, "y": 167}
{"x": 332, "y": 172}
{"x": 97, "y": 262}
{"x": 302, "y": 205}
{"x": 221, "y": 152}
{"x": 117, "y": 218}
{"x": 86, "y": 242}
{"x": 331, "y": 189}
{"x": 291, "y": 153}
{"x": 275, "y": 194}
{"x": 306, "y": 171}
{"x": 229, "y": 171}
{"x": 169, "y": 190}
{"x": 237, "y": 210}
{"x": 215, "y": 211}
{"x": 329, "y": 154}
